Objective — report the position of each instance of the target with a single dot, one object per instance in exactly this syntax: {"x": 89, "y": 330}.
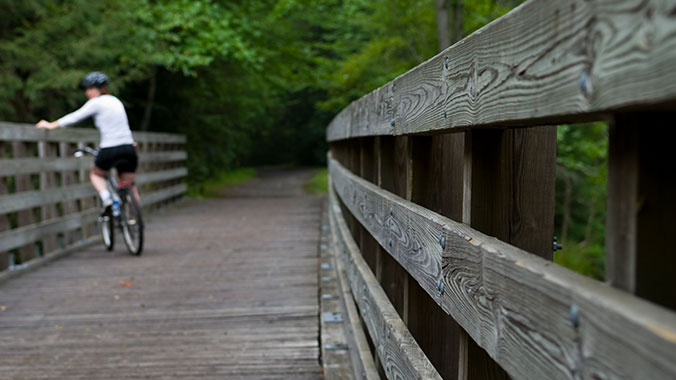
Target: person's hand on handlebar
{"x": 44, "y": 124}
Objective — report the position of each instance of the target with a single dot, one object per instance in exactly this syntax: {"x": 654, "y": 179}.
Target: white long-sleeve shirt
{"x": 109, "y": 117}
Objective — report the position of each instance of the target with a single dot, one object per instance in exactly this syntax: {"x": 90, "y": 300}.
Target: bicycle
{"x": 125, "y": 212}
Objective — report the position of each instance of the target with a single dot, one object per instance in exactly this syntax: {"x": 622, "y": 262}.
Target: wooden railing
{"x": 47, "y": 204}
{"x": 442, "y": 200}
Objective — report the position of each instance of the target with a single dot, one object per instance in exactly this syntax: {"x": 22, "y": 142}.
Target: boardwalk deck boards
{"x": 226, "y": 288}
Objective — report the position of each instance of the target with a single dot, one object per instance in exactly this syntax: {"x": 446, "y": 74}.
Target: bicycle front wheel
{"x": 132, "y": 224}
{"x": 107, "y": 230}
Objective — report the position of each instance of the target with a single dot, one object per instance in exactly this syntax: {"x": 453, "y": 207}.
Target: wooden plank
{"x": 512, "y": 188}
{"x": 87, "y": 202}
{"x": 47, "y": 152}
{"x": 622, "y": 206}
{"x": 544, "y": 63}
{"x": 23, "y": 183}
{"x": 37, "y": 165}
{"x": 533, "y": 181}
{"x": 164, "y": 175}
{"x": 641, "y": 206}
{"x": 164, "y": 194}
{"x": 68, "y": 179}
{"x": 434, "y": 330}
{"x": 160, "y": 157}
{"x": 536, "y": 319}
{"x": 374, "y": 115}
{"x": 37, "y": 198}
{"x": 452, "y": 148}
{"x": 246, "y": 311}
{"x": 368, "y": 170}
{"x": 166, "y": 138}
{"x": 361, "y": 357}
{"x": 395, "y": 169}
{"x": 399, "y": 353}
{"x": 28, "y": 132}
{"x": 25, "y": 235}
{"x": 4, "y": 220}
{"x": 491, "y": 153}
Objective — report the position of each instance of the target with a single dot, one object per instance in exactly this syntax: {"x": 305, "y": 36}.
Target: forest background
{"x": 253, "y": 82}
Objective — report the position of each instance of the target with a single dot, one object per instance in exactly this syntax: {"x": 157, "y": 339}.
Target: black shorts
{"x": 121, "y": 157}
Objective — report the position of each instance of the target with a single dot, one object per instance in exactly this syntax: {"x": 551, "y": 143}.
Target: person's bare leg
{"x": 131, "y": 177}
{"x": 97, "y": 177}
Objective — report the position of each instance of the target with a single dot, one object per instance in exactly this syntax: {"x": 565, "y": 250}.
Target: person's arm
{"x": 86, "y": 111}
{"x": 48, "y": 125}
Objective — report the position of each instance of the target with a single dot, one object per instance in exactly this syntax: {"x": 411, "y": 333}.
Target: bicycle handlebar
{"x": 86, "y": 150}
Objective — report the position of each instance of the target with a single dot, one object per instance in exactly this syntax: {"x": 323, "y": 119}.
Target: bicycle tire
{"x": 132, "y": 223}
{"x": 107, "y": 229}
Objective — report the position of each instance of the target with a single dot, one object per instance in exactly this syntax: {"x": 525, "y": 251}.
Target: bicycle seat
{"x": 122, "y": 184}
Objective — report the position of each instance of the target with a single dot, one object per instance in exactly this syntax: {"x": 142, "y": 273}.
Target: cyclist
{"x": 117, "y": 144}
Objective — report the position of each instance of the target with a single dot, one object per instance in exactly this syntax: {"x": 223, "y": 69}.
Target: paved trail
{"x": 227, "y": 288}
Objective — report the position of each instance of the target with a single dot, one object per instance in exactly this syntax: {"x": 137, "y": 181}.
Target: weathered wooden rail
{"x": 442, "y": 200}
{"x": 47, "y": 204}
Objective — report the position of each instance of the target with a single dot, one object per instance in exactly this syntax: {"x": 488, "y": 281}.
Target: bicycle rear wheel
{"x": 132, "y": 223}
{"x": 106, "y": 228}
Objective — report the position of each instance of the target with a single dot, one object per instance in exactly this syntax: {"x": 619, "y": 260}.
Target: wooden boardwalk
{"x": 227, "y": 288}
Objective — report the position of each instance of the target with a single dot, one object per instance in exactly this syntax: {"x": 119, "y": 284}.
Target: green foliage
{"x": 249, "y": 82}
{"x": 586, "y": 259}
{"x": 319, "y": 184}
{"x": 581, "y": 194}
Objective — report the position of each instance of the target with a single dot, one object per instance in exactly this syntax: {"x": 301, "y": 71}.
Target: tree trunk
{"x": 152, "y": 86}
{"x": 458, "y": 21}
{"x": 442, "y": 25}
{"x": 590, "y": 219}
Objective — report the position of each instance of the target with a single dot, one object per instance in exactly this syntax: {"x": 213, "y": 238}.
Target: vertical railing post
{"x": 432, "y": 180}
{"x": 4, "y": 220}
{"x": 510, "y": 195}
{"x": 23, "y": 183}
{"x": 88, "y": 229}
{"x": 68, "y": 179}
{"x": 641, "y": 206}
{"x": 46, "y": 151}
{"x": 394, "y": 171}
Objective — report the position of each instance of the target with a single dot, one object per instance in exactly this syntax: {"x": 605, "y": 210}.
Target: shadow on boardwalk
{"x": 227, "y": 288}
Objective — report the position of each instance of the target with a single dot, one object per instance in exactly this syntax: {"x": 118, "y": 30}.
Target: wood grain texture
{"x": 434, "y": 330}
{"x": 371, "y": 115}
{"x": 545, "y": 62}
{"x": 536, "y": 319}
{"x": 533, "y": 180}
{"x": 395, "y": 171}
{"x": 363, "y": 364}
{"x": 398, "y": 352}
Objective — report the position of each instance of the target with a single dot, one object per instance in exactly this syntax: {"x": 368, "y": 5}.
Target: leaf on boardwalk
{"x": 3, "y": 307}
{"x": 126, "y": 284}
